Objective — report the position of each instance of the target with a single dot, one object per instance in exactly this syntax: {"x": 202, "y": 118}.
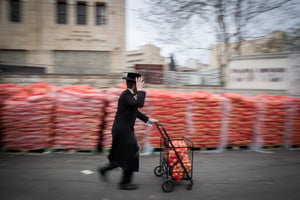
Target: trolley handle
{"x": 158, "y": 123}
{"x": 162, "y": 130}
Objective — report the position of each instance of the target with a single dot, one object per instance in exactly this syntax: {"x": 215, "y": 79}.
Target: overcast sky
{"x": 138, "y": 33}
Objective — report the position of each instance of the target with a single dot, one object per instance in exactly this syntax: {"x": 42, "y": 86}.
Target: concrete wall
{"x": 294, "y": 75}
{"x": 95, "y": 81}
{"x": 267, "y": 72}
{"x": 82, "y": 62}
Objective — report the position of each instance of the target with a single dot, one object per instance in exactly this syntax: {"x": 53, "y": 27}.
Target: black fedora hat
{"x": 131, "y": 76}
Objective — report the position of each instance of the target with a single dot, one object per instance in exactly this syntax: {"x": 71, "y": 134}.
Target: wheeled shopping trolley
{"x": 176, "y": 160}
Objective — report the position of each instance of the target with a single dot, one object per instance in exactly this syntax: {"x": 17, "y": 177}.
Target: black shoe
{"x": 128, "y": 186}
{"x": 102, "y": 174}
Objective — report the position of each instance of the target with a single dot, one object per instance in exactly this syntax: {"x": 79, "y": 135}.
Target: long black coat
{"x": 125, "y": 150}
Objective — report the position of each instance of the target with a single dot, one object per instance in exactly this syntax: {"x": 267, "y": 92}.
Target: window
{"x": 81, "y": 13}
{"x": 61, "y": 12}
{"x": 15, "y": 10}
{"x": 100, "y": 14}
{"x": 137, "y": 60}
{"x": 135, "y": 54}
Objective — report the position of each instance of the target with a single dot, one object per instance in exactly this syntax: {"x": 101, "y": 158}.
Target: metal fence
{"x": 209, "y": 78}
{"x": 205, "y": 77}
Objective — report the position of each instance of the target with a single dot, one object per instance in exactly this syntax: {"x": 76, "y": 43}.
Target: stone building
{"x": 147, "y": 54}
{"x": 63, "y": 36}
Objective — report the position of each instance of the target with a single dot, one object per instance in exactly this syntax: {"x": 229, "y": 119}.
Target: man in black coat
{"x": 124, "y": 151}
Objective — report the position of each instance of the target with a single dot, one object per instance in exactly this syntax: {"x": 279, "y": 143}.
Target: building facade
{"x": 64, "y": 36}
{"x": 147, "y": 54}
{"x": 192, "y": 65}
{"x": 272, "y": 44}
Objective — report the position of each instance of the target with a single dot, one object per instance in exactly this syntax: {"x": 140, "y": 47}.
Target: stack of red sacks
{"x": 293, "y": 121}
{"x": 27, "y": 118}
{"x": 78, "y": 116}
{"x": 141, "y": 130}
{"x": 177, "y": 121}
{"x": 271, "y": 119}
{"x": 111, "y": 102}
{"x": 153, "y": 100}
{"x": 170, "y": 109}
{"x": 6, "y": 91}
{"x": 241, "y": 119}
{"x": 206, "y": 118}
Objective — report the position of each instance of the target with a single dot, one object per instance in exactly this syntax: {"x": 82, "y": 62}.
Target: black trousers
{"x": 126, "y": 176}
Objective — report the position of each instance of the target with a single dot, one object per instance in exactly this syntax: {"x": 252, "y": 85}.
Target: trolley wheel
{"x": 158, "y": 171}
{"x": 189, "y": 186}
{"x": 167, "y": 185}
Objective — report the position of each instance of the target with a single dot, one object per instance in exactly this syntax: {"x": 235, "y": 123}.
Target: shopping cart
{"x": 176, "y": 160}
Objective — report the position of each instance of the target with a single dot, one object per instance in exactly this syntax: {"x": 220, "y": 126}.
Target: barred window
{"x": 15, "y": 10}
{"x": 100, "y": 13}
{"x": 81, "y": 13}
{"x": 61, "y": 12}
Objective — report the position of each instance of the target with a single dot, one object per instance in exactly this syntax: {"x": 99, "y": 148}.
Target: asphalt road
{"x": 232, "y": 175}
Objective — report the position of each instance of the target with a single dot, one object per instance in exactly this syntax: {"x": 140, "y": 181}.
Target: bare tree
{"x": 292, "y": 40}
{"x": 229, "y": 19}
{"x": 172, "y": 64}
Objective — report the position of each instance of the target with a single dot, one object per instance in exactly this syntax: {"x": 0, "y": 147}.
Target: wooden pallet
{"x": 26, "y": 151}
{"x": 295, "y": 147}
{"x": 205, "y": 148}
{"x": 105, "y": 151}
{"x": 237, "y": 147}
{"x": 73, "y": 151}
{"x": 272, "y": 147}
